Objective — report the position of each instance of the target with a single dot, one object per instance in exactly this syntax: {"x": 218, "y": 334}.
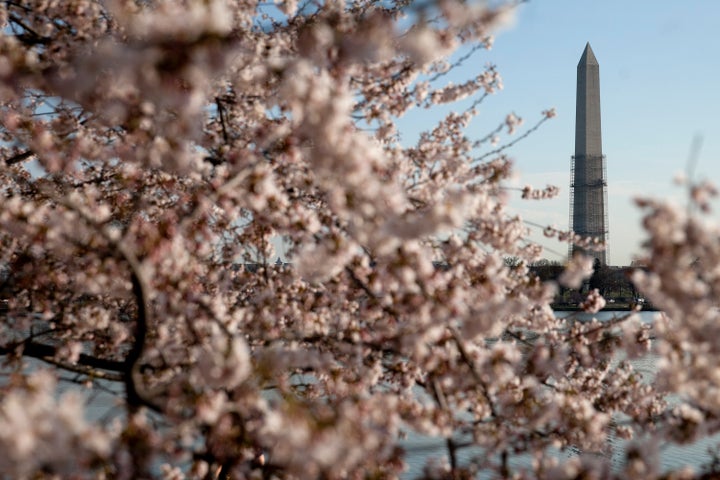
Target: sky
{"x": 659, "y": 71}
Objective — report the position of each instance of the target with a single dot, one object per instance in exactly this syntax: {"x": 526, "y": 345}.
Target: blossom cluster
{"x": 209, "y": 215}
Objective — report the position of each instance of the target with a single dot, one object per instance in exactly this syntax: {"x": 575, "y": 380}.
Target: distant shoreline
{"x": 614, "y": 307}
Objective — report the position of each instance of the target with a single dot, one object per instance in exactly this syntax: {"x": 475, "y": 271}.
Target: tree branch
{"x": 513, "y": 142}
{"x": 135, "y": 397}
{"x": 20, "y": 157}
{"x": 46, "y": 353}
{"x": 473, "y": 368}
{"x": 90, "y": 372}
{"x": 440, "y": 399}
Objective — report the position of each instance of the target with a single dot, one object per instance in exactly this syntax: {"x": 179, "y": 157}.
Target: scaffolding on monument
{"x": 588, "y": 201}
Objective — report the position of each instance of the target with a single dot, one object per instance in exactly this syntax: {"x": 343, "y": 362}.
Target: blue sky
{"x": 659, "y": 71}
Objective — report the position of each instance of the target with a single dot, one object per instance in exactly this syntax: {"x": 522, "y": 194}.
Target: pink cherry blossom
{"x": 220, "y": 258}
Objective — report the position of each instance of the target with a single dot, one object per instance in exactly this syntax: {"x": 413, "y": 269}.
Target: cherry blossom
{"x": 221, "y": 259}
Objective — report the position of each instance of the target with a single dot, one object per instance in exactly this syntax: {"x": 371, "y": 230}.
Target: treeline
{"x": 613, "y": 282}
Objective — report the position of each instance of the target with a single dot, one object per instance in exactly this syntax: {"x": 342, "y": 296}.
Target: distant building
{"x": 588, "y": 187}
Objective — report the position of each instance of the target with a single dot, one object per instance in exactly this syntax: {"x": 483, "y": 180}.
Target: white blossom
{"x": 578, "y": 269}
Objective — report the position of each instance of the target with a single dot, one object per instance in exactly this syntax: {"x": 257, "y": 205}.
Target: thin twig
{"x": 512, "y": 143}
{"x": 440, "y": 399}
{"x": 473, "y": 368}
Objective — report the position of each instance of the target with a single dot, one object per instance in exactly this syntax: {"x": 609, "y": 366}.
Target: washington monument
{"x": 588, "y": 187}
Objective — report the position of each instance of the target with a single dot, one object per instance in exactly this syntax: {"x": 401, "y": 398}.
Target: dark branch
{"x": 43, "y": 352}
{"x": 31, "y": 37}
{"x": 20, "y": 157}
{"x": 221, "y": 113}
{"x": 135, "y": 397}
{"x": 83, "y": 370}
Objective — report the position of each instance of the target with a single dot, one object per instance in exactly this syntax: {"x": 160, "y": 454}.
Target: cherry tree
{"x": 157, "y": 153}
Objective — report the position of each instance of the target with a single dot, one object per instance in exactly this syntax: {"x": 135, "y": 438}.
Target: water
{"x": 420, "y": 448}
